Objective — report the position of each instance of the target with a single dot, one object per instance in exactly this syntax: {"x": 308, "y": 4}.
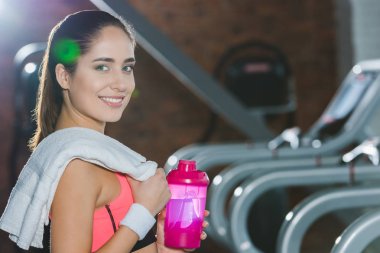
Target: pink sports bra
{"x": 107, "y": 219}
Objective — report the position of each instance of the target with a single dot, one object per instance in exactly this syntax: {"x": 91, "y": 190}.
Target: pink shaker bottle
{"x": 185, "y": 209}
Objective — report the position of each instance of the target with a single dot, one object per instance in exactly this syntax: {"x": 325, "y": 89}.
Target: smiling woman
{"x": 106, "y": 196}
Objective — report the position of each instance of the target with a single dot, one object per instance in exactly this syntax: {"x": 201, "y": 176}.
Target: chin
{"x": 112, "y": 118}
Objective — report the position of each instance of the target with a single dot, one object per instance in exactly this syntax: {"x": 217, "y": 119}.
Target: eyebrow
{"x": 106, "y": 59}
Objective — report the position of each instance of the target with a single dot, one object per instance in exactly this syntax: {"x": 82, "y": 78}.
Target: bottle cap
{"x": 187, "y": 173}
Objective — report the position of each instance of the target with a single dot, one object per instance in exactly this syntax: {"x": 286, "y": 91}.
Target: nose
{"x": 121, "y": 82}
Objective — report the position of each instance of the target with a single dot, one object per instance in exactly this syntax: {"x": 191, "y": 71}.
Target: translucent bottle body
{"x": 184, "y": 216}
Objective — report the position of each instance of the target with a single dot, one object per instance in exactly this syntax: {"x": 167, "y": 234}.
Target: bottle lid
{"x": 187, "y": 173}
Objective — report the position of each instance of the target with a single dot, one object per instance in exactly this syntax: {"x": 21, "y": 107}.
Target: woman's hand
{"x": 152, "y": 193}
{"x": 160, "y": 234}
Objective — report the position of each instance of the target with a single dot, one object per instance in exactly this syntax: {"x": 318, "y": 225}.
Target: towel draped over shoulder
{"x": 30, "y": 200}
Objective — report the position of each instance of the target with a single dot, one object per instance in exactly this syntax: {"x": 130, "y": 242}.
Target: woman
{"x": 86, "y": 81}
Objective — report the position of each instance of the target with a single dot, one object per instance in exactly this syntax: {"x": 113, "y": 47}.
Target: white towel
{"x": 30, "y": 200}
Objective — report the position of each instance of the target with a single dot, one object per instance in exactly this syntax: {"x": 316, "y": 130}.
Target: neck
{"x": 69, "y": 118}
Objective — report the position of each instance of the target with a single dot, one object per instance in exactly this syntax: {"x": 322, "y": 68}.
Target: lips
{"x": 112, "y": 101}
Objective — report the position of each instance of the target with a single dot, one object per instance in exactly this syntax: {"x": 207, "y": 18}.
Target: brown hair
{"x": 69, "y": 39}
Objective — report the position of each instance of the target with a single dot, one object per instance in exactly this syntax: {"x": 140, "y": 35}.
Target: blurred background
{"x": 315, "y": 38}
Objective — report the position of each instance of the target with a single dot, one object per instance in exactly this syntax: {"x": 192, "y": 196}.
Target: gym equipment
{"x": 359, "y": 234}
{"x": 230, "y": 177}
{"x": 245, "y": 195}
{"x": 258, "y": 75}
{"x": 26, "y": 62}
{"x": 309, "y": 210}
{"x": 344, "y": 122}
{"x": 348, "y": 115}
{"x": 256, "y": 185}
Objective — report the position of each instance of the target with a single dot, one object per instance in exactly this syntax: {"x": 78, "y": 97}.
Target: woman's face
{"x": 102, "y": 84}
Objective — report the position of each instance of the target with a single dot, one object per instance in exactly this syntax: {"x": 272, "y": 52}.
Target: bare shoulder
{"x": 73, "y": 206}
{"x": 78, "y": 184}
{"x": 81, "y": 174}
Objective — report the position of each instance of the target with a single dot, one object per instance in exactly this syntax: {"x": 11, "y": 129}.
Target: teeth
{"x": 111, "y": 100}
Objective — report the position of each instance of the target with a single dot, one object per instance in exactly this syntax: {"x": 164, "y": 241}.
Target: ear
{"x": 63, "y": 77}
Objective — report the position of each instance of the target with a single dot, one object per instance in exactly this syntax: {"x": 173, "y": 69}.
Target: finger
{"x": 205, "y": 224}
{"x": 203, "y": 235}
{"x": 162, "y": 214}
{"x": 160, "y": 171}
{"x": 206, "y": 213}
{"x": 132, "y": 180}
{"x": 163, "y": 211}
{"x": 188, "y": 250}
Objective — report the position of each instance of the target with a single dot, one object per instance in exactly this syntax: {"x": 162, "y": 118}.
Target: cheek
{"x": 84, "y": 91}
{"x": 132, "y": 80}
{"x": 81, "y": 101}
{"x": 131, "y": 85}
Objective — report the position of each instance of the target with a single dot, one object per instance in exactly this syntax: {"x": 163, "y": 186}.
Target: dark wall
{"x": 166, "y": 116}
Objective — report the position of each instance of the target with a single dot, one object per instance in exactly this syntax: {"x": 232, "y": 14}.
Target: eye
{"x": 102, "y": 67}
{"x": 128, "y": 68}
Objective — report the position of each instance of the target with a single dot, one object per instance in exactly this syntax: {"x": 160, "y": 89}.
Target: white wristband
{"x": 139, "y": 219}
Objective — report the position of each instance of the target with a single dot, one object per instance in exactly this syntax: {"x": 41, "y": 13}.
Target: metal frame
{"x": 248, "y": 192}
{"x": 229, "y": 178}
{"x": 189, "y": 151}
{"x": 357, "y": 128}
{"x": 354, "y": 129}
{"x": 359, "y": 234}
{"x": 22, "y": 57}
{"x": 308, "y": 211}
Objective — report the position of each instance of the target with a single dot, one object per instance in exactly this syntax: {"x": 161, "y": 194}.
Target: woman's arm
{"x": 122, "y": 241}
{"x": 72, "y": 213}
{"x": 151, "y": 248}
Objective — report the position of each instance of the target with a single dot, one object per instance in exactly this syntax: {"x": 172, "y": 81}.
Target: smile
{"x": 113, "y": 101}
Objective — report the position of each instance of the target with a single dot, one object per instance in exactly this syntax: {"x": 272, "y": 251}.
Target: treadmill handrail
{"x": 248, "y": 192}
{"x": 357, "y": 236}
{"x": 310, "y": 209}
{"x": 355, "y": 130}
{"x": 230, "y": 177}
